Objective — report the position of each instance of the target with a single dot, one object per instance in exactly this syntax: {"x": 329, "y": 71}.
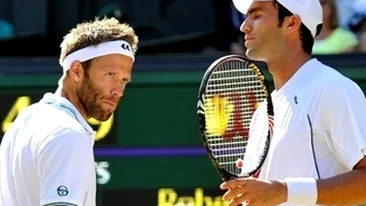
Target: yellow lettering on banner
{"x": 219, "y": 202}
{"x": 20, "y": 104}
{"x": 207, "y": 201}
{"x": 169, "y": 197}
{"x": 104, "y": 127}
{"x": 185, "y": 201}
{"x": 198, "y": 196}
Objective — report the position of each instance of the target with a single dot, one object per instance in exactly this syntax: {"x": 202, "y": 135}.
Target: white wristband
{"x": 302, "y": 191}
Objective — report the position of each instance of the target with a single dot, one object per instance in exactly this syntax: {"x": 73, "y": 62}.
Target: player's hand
{"x": 254, "y": 192}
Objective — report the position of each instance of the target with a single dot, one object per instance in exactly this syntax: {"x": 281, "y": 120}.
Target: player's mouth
{"x": 248, "y": 38}
{"x": 247, "y": 42}
{"x": 110, "y": 103}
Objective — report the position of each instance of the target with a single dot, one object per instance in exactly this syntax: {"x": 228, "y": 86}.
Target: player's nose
{"x": 118, "y": 91}
{"x": 245, "y": 26}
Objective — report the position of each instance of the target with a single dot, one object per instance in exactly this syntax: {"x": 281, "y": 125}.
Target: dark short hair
{"x": 306, "y": 38}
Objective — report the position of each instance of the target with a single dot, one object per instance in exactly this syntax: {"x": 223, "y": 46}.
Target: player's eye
{"x": 125, "y": 81}
{"x": 256, "y": 16}
{"x": 110, "y": 74}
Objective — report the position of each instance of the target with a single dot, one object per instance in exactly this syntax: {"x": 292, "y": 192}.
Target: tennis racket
{"x": 235, "y": 114}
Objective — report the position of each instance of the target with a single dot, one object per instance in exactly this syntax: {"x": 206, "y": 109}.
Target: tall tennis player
{"x": 46, "y": 156}
{"x": 317, "y": 151}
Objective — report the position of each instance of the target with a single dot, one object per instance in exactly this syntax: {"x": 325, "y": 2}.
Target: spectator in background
{"x": 237, "y": 18}
{"x": 6, "y": 30}
{"x": 333, "y": 39}
{"x": 358, "y": 23}
{"x": 113, "y": 10}
{"x": 344, "y": 10}
{"x": 228, "y": 37}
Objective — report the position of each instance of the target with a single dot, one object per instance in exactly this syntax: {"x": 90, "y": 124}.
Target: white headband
{"x": 105, "y": 48}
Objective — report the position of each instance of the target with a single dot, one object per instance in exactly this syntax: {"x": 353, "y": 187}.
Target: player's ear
{"x": 76, "y": 71}
{"x": 292, "y": 24}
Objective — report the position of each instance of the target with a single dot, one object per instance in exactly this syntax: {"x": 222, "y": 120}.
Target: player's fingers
{"x": 224, "y": 185}
{"x": 230, "y": 194}
{"x": 240, "y": 201}
{"x": 233, "y": 184}
{"x": 234, "y": 193}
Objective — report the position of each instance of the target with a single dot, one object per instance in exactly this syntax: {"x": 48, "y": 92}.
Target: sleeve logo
{"x": 62, "y": 191}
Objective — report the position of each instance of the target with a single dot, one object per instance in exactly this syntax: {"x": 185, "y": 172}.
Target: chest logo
{"x": 62, "y": 191}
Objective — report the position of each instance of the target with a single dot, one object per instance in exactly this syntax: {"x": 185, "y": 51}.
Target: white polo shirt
{"x": 46, "y": 157}
{"x": 336, "y": 107}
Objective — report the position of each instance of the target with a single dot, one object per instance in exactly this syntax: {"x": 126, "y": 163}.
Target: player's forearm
{"x": 348, "y": 188}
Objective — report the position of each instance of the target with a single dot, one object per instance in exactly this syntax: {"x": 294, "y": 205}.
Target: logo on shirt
{"x": 62, "y": 191}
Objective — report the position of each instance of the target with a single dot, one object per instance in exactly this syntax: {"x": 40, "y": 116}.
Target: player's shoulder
{"x": 331, "y": 79}
{"x": 55, "y": 122}
{"x": 63, "y": 131}
{"x": 64, "y": 139}
{"x": 67, "y": 133}
{"x": 333, "y": 85}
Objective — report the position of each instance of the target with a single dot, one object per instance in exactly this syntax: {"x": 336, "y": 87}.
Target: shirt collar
{"x": 58, "y": 100}
{"x": 300, "y": 77}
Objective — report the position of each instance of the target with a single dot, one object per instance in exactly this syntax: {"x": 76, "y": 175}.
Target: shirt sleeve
{"x": 346, "y": 118}
{"x": 65, "y": 162}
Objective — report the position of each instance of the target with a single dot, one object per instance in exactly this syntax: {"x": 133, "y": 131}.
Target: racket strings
{"x": 234, "y": 91}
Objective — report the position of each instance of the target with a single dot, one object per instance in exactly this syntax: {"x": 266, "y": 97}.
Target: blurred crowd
{"x": 344, "y": 28}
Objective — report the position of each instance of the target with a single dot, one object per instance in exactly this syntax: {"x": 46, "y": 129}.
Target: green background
{"x": 158, "y": 108}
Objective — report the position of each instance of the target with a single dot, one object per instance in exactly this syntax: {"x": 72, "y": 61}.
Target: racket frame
{"x": 225, "y": 175}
